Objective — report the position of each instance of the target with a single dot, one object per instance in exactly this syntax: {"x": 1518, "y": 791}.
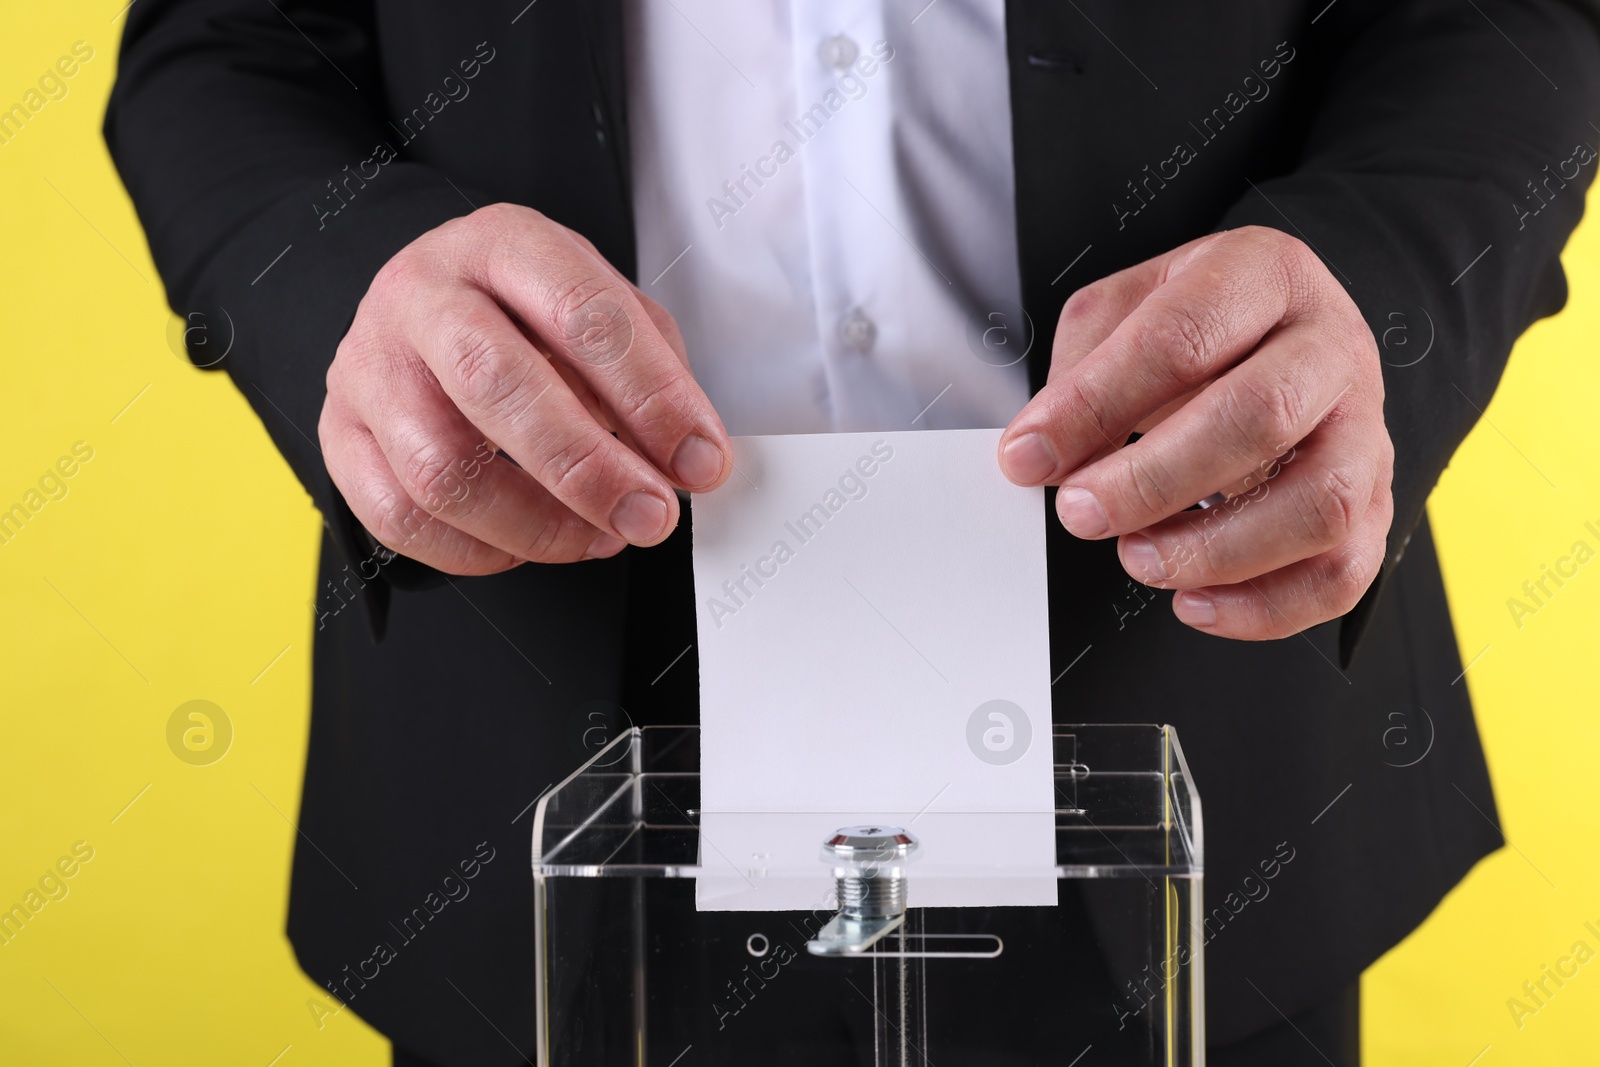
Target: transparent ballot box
{"x": 672, "y": 937}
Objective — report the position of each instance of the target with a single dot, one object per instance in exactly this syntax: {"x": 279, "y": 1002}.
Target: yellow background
{"x": 179, "y": 567}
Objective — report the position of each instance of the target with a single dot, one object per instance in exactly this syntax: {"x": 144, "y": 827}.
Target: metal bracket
{"x": 869, "y": 866}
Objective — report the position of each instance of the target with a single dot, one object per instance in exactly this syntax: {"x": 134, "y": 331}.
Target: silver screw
{"x": 869, "y": 869}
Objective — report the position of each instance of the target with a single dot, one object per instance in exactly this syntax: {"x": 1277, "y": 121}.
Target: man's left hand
{"x": 1250, "y": 373}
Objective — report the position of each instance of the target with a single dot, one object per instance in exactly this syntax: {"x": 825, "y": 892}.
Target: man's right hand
{"x": 503, "y": 334}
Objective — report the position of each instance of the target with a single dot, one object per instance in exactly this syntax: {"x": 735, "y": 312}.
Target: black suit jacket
{"x": 1424, "y": 148}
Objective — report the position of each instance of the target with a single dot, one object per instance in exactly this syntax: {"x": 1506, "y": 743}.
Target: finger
{"x": 1291, "y": 599}
{"x": 1087, "y": 319}
{"x": 659, "y": 315}
{"x": 1218, "y": 299}
{"x": 666, "y": 325}
{"x": 583, "y": 315}
{"x": 368, "y": 484}
{"x": 1091, "y": 313}
{"x": 580, "y": 388}
{"x": 515, "y": 397}
{"x": 1321, "y": 497}
{"x": 1220, "y": 441}
{"x": 444, "y": 464}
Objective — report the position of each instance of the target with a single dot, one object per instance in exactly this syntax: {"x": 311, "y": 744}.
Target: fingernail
{"x": 1143, "y": 559}
{"x": 1028, "y": 460}
{"x": 1196, "y": 609}
{"x": 1080, "y": 512}
{"x": 604, "y": 547}
{"x": 696, "y": 462}
{"x": 641, "y": 517}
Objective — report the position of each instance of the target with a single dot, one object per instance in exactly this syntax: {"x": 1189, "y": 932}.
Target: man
{"x": 503, "y": 278}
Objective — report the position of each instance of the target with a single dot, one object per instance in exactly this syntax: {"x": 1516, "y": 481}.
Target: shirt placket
{"x": 841, "y": 132}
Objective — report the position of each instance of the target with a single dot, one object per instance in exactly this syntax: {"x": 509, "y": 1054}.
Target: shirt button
{"x": 857, "y": 332}
{"x": 838, "y": 51}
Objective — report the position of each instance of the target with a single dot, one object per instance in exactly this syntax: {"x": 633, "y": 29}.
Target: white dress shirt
{"x": 823, "y": 200}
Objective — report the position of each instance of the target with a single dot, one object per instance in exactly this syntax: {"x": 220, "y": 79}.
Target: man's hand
{"x": 505, "y": 334}
{"x": 1250, "y": 373}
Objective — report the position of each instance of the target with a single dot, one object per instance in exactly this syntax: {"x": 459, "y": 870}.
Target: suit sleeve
{"x": 236, "y": 126}
{"x": 1439, "y": 181}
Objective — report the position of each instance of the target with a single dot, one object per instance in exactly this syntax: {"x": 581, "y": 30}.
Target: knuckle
{"x": 1270, "y": 239}
{"x": 1327, "y": 507}
{"x": 1265, "y": 236}
{"x": 484, "y": 225}
{"x": 397, "y": 522}
{"x": 498, "y": 215}
{"x": 468, "y": 244}
{"x": 1385, "y": 464}
{"x": 429, "y": 475}
{"x": 1304, "y": 278}
{"x": 1379, "y": 388}
{"x": 370, "y": 336}
{"x": 579, "y": 469}
{"x": 1152, "y": 487}
{"x": 333, "y": 380}
{"x": 652, "y": 411}
{"x": 1301, "y": 261}
{"x": 326, "y": 438}
{"x": 1263, "y": 415}
{"x": 1187, "y": 338}
{"x": 1364, "y": 342}
{"x": 587, "y": 314}
{"x": 1349, "y": 576}
{"x": 1083, "y": 398}
{"x": 542, "y": 544}
{"x": 404, "y": 271}
{"x": 1274, "y": 244}
{"x": 351, "y": 344}
{"x": 551, "y": 541}
{"x": 1259, "y": 617}
{"x": 600, "y": 332}
{"x": 489, "y": 369}
{"x": 1209, "y": 545}
{"x": 1356, "y": 350}
{"x": 1082, "y": 304}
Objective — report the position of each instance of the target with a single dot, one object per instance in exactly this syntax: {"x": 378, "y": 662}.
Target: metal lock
{"x": 869, "y": 867}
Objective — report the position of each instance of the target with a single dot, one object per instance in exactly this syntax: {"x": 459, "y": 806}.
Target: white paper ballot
{"x": 874, "y": 647}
